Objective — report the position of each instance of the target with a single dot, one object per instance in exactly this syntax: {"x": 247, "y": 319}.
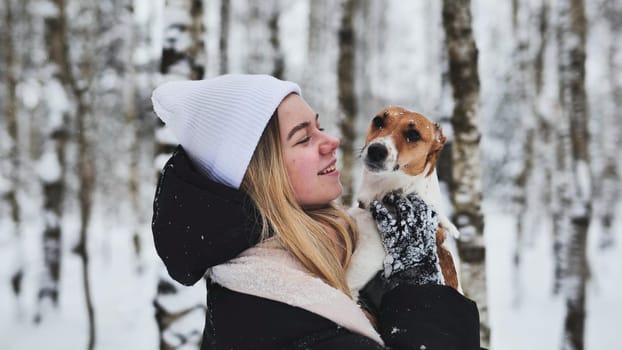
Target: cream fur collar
{"x": 269, "y": 271}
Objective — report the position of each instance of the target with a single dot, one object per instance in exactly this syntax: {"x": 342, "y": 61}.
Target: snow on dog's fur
{"x": 400, "y": 153}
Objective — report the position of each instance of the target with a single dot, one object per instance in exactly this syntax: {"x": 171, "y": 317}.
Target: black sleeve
{"x": 428, "y": 317}
{"x": 410, "y": 316}
{"x": 338, "y": 339}
{"x": 431, "y": 317}
{"x": 422, "y": 316}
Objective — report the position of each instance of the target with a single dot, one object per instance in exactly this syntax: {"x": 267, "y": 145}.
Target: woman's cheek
{"x": 300, "y": 177}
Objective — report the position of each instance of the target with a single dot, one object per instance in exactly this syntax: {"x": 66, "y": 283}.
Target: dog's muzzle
{"x": 377, "y": 157}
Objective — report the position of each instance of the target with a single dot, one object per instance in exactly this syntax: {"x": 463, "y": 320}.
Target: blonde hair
{"x": 303, "y": 232}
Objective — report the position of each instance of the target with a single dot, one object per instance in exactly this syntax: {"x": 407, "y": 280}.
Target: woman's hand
{"x": 407, "y": 226}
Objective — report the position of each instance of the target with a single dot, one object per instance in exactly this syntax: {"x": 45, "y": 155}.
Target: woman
{"x": 248, "y": 198}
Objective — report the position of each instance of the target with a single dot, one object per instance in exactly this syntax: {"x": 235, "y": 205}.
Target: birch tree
{"x": 275, "y": 41}
{"x": 530, "y": 28}
{"x": 9, "y": 110}
{"x": 522, "y": 113}
{"x": 320, "y": 89}
{"x": 261, "y": 30}
{"x": 55, "y": 136}
{"x": 347, "y": 97}
{"x": 466, "y": 194}
{"x": 131, "y": 109}
{"x": 369, "y": 33}
{"x": 67, "y": 91}
{"x": 575, "y": 195}
{"x": 369, "y": 29}
{"x": 52, "y": 179}
{"x": 608, "y": 190}
{"x": 140, "y": 72}
{"x": 223, "y": 39}
{"x": 80, "y": 83}
{"x": 183, "y": 56}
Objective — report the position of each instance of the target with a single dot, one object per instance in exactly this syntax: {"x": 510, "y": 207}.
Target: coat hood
{"x": 197, "y": 222}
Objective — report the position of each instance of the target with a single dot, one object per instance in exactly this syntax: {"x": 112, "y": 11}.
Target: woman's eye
{"x": 412, "y": 135}
{"x": 304, "y": 140}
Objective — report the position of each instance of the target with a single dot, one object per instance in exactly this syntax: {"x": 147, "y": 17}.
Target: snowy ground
{"x": 535, "y": 320}
{"x": 124, "y": 314}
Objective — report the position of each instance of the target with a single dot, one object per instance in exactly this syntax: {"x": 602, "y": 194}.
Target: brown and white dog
{"x": 400, "y": 153}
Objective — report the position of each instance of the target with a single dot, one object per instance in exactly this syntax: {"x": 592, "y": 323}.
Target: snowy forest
{"x": 526, "y": 90}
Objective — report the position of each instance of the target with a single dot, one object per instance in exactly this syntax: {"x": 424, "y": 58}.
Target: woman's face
{"x": 309, "y": 154}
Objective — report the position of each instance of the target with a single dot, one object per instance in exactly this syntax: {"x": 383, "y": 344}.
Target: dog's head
{"x": 399, "y": 140}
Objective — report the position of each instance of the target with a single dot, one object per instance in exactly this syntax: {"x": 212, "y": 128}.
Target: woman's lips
{"x": 331, "y": 168}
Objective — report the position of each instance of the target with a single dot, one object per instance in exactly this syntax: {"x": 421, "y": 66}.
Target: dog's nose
{"x": 377, "y": 152}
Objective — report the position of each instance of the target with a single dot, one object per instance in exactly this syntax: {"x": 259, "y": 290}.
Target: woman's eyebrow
{"x": 299, "y": 127}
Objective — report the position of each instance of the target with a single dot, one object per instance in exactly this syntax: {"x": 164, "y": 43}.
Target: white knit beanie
{"x": 219, "y": 121}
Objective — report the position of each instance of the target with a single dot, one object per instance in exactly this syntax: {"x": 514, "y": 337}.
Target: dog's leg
{"x": 446, "y": 261}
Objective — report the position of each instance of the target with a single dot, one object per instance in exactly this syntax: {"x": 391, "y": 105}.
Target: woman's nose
{"x": 329, "y": 144}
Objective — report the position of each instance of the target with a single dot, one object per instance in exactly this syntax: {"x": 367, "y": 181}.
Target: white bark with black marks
{"x": 530, "y": 28}
{"x": 607, "y": 140}
{"x": 183, "y": 57}
{"x": 346, "y": 67}
{"x": 466, "y": 188}
{"x": 9, "y": 111}
{"x": 575, "y": 197}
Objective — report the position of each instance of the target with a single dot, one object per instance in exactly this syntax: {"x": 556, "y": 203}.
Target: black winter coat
{"x": 199, "y": 223}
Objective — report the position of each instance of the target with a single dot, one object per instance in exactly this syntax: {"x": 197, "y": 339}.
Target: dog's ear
{"x": 436, "y": 147}
{"x": 439, "y": 138}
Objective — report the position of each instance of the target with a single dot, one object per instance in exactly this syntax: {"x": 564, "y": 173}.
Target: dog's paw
{"x": 449, "y": 227}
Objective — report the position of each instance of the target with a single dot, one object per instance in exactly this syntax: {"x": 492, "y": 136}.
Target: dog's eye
{"x": 412, "y": 135}
{"x": 378, "y": 122}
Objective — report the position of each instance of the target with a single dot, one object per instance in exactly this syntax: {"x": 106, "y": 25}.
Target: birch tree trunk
{"x": 530, "y": 25}
{"x": 130, "y": 106}
{"x": 466, "y": 195}
{"x": 264, "y": 54}
{"x": 183, "y": 56}
{"x": 53, "y": 190}
{"x": 321, "y": 89}
{"x": 10, "y": 113}
{"x": 223, "y": 40}
{"x": 609, "y": 189}
{"x": 347, "y": 97}
{"x": 76, "y": 84}
{"x": 275, "y": 42}
{"x": 571, "y": 36}
{"x": 53, "y": 155}
{"x": 140, "y": 76}
{"x": 184, "y": 22}
{"x": 560, "y": 197}
{"x": 560, "y": 203}
{"x": 370, "y": 33}
{"x": 520, "y": 23}
{"x": 545, "y": 125}
{"x": 180, "y": 60}
{"x": 80, "y": 82}
{"x": 86, "y": 180}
